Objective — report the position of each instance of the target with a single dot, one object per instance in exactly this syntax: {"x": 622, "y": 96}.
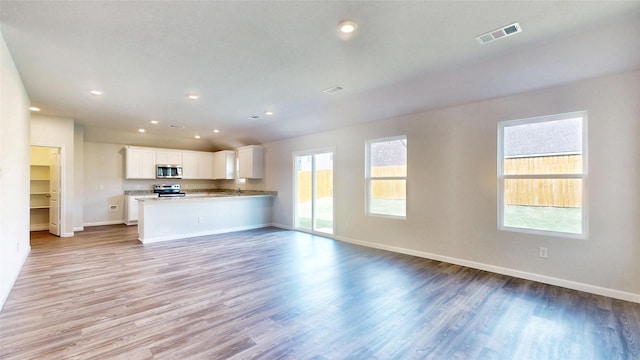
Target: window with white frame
{"x": 542, "y": 173}
{"x": 386, "y": 176}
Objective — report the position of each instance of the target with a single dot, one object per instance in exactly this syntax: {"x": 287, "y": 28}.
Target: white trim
{"x": 368, "y": 178}
{"x": 78, "y": 228}
{"x": 280, "y": 226}
{"x": 501, "y": 177}
{"x": 100, "y": 223}
{"x": 592, "y": 289}
{"x": 11, "y": 282}
{"x": 62, "y": 208}
{"x": 312, "y": 152}
{"x": 39, "y": 227}
{"x": 201, "y": 233}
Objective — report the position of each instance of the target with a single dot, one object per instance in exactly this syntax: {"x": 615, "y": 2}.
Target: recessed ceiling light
{"x": 141, "y": 130}
{"x": 154, "y": 122}
{"x": 347, "y": 26}
{"x": 216, "y": 131}
{"x": 34, "y": 108}
{"x": 197, "y": 136}
{"x": 96, "y": 92}
{"x": 193, "y": 96}
{"x": 268, "y": 113}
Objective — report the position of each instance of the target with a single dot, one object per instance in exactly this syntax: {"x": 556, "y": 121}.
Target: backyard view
{"x": 314, "y": 197}
{"x": 541, "y": 179}
{"x": 542, "y": 175}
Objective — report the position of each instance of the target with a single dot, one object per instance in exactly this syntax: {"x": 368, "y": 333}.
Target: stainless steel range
{"x": 168, "y": 190}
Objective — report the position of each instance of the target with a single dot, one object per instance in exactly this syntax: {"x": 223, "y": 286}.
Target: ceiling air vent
{"x": 499, "y": 33}
{"x": 254, "y": 117}
{"x": 333, "y": 90}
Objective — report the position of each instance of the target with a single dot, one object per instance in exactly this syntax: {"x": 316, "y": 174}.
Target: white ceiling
{"x": 244, "y": 58}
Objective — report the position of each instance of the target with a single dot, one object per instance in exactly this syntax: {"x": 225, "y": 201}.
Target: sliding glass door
{"x": 314, "y": 191}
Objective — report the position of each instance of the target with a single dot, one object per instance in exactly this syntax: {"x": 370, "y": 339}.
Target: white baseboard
{"x": 598, "y": 290}
{"x": 201, "y": 233}
{"x": 39, "y": 227}
{"x": 4, "y": 293}
{"x": 285, "y": 227}
{"x": 78, "y": 228}
{"x": 100, "y": 223}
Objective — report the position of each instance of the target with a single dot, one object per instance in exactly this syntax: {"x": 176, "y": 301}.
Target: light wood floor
{"x": 275, "y": 294}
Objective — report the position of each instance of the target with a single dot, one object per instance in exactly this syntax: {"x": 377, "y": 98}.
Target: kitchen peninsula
{"x": 170, "y": 218}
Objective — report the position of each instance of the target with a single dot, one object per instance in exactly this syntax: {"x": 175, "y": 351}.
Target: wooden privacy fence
{"x": 324, "y": 184}
{"x": 543, "y": 192}
{"x": 527, "y": 192}
{"x": 387, "y": 189}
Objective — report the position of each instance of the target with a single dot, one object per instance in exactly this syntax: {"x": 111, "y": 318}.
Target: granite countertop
{"x": 209, "y": 192}
{"x": 204, "y": 197}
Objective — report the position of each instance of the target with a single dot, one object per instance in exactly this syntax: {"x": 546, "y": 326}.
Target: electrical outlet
{"x": 101, "y": 187}
{"x": 543, "y": 252}
{"x": 18, "y": 247}
{"x": 113, "y": 208}
{"x": 200, "y": 219}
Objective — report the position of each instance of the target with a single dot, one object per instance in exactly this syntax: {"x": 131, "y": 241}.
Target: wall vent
{"x": 333, "y": 90}
{"x": 499, "y": 33}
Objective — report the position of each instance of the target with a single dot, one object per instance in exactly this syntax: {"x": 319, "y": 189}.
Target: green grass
{"x": 324, "y": 214}
{"x": 391, "y": 207}
{"x": 324, "y": 211}
{"x": 566, "y": 220}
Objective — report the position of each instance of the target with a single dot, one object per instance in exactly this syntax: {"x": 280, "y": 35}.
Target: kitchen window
{"x": 386, "y": 177}
{"x": 542, "y": 174}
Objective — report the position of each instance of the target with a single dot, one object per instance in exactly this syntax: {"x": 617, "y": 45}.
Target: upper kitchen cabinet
{"x": 140, "y": 163}
{"x": 224, "y": 165}
{"x": 169, "y": 157}
{"x": 251, "y": 162}
{"x": 197, "y": 165}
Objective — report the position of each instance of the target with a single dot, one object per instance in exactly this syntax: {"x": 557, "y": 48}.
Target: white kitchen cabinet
{"x": 197, "y": 165}
{"x": 169, "y": 157}
{"x": 140, "y": 163}
{"x": 224, "y": 165}
{"x": 251, "y": 162}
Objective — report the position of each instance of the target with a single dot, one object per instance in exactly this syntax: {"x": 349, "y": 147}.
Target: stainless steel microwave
{"x": 164, "y": 171}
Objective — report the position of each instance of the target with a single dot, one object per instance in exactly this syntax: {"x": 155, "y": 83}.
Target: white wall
{"x": 452, "y": 192}
{"x": 14, "y": 173}
{"x": 78, "y": 174}
{"x": 103, "y": 177}
{"x": 104, "y": 183}
{"x": 59, "y": 132}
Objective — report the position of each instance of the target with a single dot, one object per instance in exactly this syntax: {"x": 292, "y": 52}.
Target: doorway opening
{"x": 314, "y": 192}
{"x": 44, "y": 189}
